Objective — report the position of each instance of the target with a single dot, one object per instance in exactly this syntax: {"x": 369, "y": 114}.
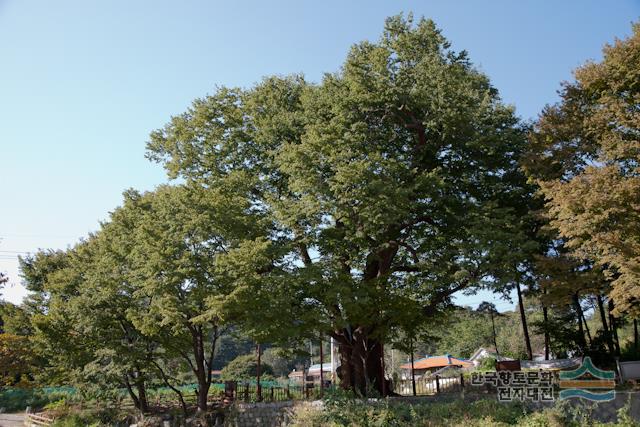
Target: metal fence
{"x": 430, "y": 385}
{"x": 251, "y": 392}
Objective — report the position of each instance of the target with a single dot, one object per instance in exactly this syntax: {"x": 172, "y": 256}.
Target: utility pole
{"x": 259, "y": 387}
{"x": 321, "y": 369}
{"x": 333, "y": 363}
{"x": 413, "y": 372}
{"x": 383, "y": 386}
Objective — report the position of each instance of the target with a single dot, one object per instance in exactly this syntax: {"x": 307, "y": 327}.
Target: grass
{"x": 455, "y": 413}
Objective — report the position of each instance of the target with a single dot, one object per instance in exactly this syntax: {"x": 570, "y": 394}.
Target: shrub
{"x": 245, "y": 367}
{"x": 369, "y": 413}
{"x": 17, "y": 399}
{"x": 95, "y": 417}
{"x": 488, "y": 364}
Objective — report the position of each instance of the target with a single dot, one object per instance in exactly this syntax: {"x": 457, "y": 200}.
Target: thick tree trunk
{"x": 361, "y": 364}
{"x": 525, "y": 328}
{"x": 140, "y": 401}
{"x": 202, "y": 363}
{"x": 142, "y": 395}
{"x": 635, "y": 334}
{"x": 201, "y": 375}
{"x": 203, "y": 392}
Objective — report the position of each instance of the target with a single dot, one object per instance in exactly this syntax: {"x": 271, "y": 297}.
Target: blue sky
{"x": 82, "y": 83}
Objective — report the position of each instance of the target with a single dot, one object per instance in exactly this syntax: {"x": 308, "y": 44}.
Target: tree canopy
{"x": 585, "y": 153}
{"x": 388, "y": 187}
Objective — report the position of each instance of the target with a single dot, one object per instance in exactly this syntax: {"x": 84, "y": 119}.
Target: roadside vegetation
{"x": 484, "y": 412}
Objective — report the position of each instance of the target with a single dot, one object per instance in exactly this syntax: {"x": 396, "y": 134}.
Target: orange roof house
{"x": 437, "y": 362}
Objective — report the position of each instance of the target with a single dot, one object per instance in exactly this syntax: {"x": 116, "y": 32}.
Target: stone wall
{"x": 274, "y": 414}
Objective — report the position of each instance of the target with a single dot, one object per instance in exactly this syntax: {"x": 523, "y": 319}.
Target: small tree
{"x": 177, "y": 236}
{"x": 245, "y": 367}
{"x": 490, "y": 309}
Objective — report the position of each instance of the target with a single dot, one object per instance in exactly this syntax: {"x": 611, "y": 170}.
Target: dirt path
{"x": 11, "y": 420}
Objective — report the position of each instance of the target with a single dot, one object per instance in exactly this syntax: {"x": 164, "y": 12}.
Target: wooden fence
{"x": 37, "y": 420}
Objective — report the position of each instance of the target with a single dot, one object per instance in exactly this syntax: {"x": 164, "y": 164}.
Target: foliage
{"x": 95, "y": 417}
{"x": 14, "y": 319}
{"x": 464, "y": 332}
{"x": 16, "y": 359}
{"x": 351, "y": 412}
{"x": 245, "y": 367}
{"x": 230, "y": 346}
{"x": 488, "y": 364}
{"x": 283, "y": 361}
{"x": 17, "y": 399}
{"x": 171, "y": 240}
{"x": 347, "y": 411}
{"x": 585, "y": 154}
{"x": 387, "y": 187}
{"x": 134, "y": 296}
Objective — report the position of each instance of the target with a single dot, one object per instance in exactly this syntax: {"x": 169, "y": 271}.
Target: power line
{"x": 52, "y": 236}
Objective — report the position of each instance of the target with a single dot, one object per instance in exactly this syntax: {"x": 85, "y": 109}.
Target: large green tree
{"x": 390, "y": 186}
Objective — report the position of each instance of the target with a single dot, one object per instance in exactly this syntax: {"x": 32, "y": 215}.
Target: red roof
{"x": 437, "y": 362}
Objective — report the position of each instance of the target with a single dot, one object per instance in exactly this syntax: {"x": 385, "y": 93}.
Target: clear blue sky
{"x": 82, "y": 83}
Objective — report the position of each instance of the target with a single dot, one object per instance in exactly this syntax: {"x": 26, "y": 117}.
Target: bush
{"x": 245, "y": 367}
{"x": 488, "y": 364}
{"x": 17, "y": 399}
{"x": 345, "y": 411}
{"x": 367, "y": 413}
{"x": 91, "y": 417}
